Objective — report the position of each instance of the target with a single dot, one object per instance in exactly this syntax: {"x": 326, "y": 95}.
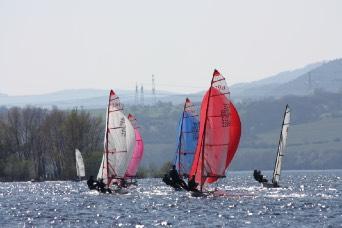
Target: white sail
{"x": 79, "y": 164}
{"x": 219, "y": 82}
{"x": 281, "y": 146}
{"x": 118, "y": 143}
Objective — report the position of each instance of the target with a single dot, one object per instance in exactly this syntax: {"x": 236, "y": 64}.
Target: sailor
{"x": 176, "y": 180}
{"x": 166, "y": 179}
{"x": 262, "y": 178}
{"x": 192, "y": 185}
{"x": 255, "y": 175}
{"x": 101, "y": 187}
{"x": 92, "y": 184}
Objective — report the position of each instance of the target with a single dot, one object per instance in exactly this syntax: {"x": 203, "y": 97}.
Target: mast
{"x": 281, "y": 148}
{"x": 180, "y": 139}
{"x": 205, "y": 125}
{"x": 107, "y": 131}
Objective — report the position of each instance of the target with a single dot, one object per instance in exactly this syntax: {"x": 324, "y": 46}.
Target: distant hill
{"x": 326, "y": 76}
{"x": 86, "y": 98}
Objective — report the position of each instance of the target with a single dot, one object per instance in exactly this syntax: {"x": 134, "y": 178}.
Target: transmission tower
{"x": 142, "y": 95}
{"x": 136, "y": 94}
{"x": 153, "y": 90}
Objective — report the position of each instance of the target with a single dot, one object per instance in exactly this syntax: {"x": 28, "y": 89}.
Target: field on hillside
{"x": 315, "y": 145}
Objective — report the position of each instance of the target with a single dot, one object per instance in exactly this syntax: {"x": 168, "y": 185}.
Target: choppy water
{"x": 310, "y": 199}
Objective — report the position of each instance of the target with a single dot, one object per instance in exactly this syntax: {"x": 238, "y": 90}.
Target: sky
{"x": 50, "y": 45}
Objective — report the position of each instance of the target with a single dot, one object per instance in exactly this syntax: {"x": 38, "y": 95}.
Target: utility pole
{"x": 136, "y": 101}
{"x": 153, "y": 90}
{"x": 142, "y": 95}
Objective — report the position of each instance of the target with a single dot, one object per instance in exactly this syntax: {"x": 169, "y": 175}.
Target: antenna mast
{"x": 153, "y": 90}
{"x": 142, "y": 95}
{"x": 136, "y": 94}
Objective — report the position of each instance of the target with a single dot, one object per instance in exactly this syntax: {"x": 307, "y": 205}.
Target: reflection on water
{"x": 311, "y": 199}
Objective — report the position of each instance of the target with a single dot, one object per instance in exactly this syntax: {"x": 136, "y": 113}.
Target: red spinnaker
{"x": 213, "y": 140}
{"x": 219, "y": 136}
{"x": 234, "y": 133}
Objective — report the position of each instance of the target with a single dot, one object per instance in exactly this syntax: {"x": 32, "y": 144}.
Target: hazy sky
{"x": 49, "y": 45}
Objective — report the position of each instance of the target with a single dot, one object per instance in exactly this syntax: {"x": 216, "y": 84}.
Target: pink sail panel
{"x": 213, "y": 140}
{"x": 234, "y": 133}
{"x": 138, "y": 150}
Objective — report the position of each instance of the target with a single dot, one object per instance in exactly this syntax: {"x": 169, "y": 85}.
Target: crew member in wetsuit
{"x": 176, "y": 180}
{"x": 259, "y": 177}
{"x": 192, "y": 185}
{"x": 92, "y": 184}
{"x": 166, "y": 179}
{"x": 102, "y": 187}
{"x": 256, "y": 176}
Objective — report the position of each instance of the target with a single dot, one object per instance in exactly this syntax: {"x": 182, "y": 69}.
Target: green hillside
{"x": 314, "y": 145}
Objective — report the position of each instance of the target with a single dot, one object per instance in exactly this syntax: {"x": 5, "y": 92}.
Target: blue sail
{"x": 186, "y": 139}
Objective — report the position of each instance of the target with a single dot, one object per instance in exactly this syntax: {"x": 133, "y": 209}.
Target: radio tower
{"x": 153, "y": 90}
{"x": 142, "y": 95}
{"x": 136, "y": 94}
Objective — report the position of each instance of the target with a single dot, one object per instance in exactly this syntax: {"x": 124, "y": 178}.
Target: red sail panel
{"x": 234, "y": 133}
{"x": 213, "y": 140}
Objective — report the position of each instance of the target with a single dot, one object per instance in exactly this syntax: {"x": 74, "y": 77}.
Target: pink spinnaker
{"x": 138, "y": 150}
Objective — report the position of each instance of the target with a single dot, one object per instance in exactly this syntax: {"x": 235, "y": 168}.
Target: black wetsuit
{"x": 259, "y": 177}
{"x": 192, "y": 185}
{"x": 102, "y": 187}
{"x": 92, "y": 184}
{"x": 166, "y": 179}
{"x": 176, "y": 180}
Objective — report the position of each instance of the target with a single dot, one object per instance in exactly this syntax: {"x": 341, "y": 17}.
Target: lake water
{"x": 308, "y": 199}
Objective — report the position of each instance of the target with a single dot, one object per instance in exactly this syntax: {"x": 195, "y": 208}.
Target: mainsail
{"x": 187, "y": 138}
{"x": 219, "y": 133}
{"x": 281, "y": 146}
{"x": 79, "y": 164}
{"x": 138, "y": 150}
{"x": 118, "y": 143}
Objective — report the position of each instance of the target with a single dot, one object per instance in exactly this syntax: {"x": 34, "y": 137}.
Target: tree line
{"x": 37, "y": 143}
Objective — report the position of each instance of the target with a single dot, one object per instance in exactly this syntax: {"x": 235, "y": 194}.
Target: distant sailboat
{"x": 118, "y": 143}
{"x": 219, "y": 134}
{"x": 138, "y": 150}
{"x": 187, "y": 138}
{"x": 79, "y": 165}
{"x": 280, "y": 153}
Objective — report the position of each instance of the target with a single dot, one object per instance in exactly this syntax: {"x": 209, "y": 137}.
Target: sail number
{"x": 225, "y": 116}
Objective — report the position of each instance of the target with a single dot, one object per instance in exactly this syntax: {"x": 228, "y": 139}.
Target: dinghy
{"x": 280, "y": 151}
{"x": 187, "y": 138}
{"x": 118, "y": 143}
{"x": 219, "y": 135}
{"x": 137, "y": 153}
{"x": 79, "y": 165}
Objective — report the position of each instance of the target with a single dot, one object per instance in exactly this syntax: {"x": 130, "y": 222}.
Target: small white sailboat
{"x": 119, "y": 143}
{"x": 280, "y": 154}
{"x": 79, "y": 165}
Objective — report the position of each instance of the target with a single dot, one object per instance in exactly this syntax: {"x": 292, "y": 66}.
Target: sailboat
{"x": 219, "y": 134}
{"x": 281, "y": 150}
{"x": 187, "y": 138}
{"x": 138, "y": 151}
{"x": 119, "y": 143}
{"x": 79, "y": 164}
